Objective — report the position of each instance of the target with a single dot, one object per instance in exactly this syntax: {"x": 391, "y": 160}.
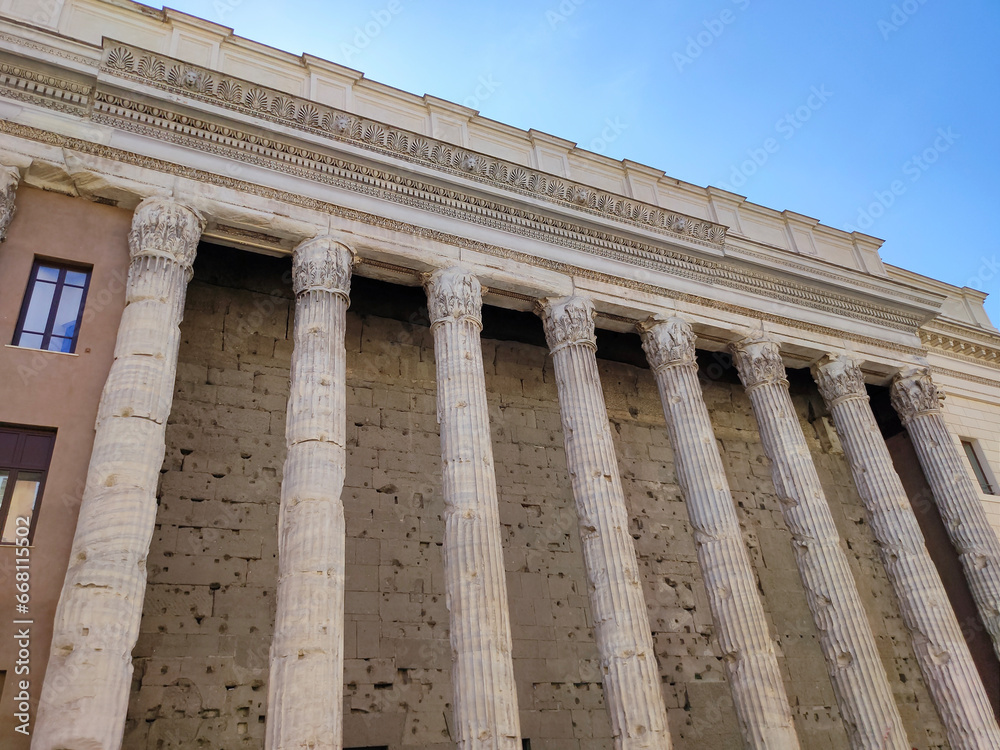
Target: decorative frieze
{"x": 621, "y": 624}
{"x": 485, "y": 694}
{"x": 306, "y": 685}
{"x": 938, "y": 641}
{"x": 97, "y": 620}
{"x": 9, "y": 179}
{"x": 737, "y": 610}
{"x": 852, "y": 658}
{"x": 918, "y": 401}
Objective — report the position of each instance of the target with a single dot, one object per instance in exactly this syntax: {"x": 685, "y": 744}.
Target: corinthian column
{"x": 754, "y": 677}
{"x": 306, "y": 686}
{"x": 9, "y": 178}
{"x": 937, "y": 639}
{"x": 631, "y": 675}
{"x": 475, "y": 585}
{"x": 85, "y": 694}
{"x": 866, "y": 704}
{"x": 918, "y": 402}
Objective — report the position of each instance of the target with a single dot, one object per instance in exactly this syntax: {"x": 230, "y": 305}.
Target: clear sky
{"x": 876, "y": 115}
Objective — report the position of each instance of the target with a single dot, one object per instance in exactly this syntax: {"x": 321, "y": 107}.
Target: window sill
{"x": 44, "y": 351}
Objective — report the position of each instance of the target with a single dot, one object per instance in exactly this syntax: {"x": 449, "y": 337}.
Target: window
{"x": 978, "y": 466}
{"x": 525, "y": 744}
{"x": 52, "y": 308}
{"x": 24, "y": 461}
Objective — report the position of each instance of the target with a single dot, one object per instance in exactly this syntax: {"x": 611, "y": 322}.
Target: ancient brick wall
{"x": 201, "y": 661}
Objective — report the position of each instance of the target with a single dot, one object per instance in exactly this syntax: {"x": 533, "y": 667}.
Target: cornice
{"x": 257, "y": 101}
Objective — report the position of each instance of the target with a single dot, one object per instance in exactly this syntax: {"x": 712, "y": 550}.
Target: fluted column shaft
{"x": 754, "y": 676}
{"x": 631, "y": 675}
{"x": 938, "y": 642}
{"x": 485, "y": 694}
{"x": 306, "y": 685}
{"x": 918, "y": 402}
{"x": 863, "y": 694}
{"x": 9, "y": 179}
{"x": 85, "y": 695}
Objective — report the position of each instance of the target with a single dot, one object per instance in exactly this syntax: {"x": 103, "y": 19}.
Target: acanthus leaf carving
{"x": 839, "y": 377}
{"x": 667, "y": 342}
{"x": 913, "y": 393}
{"x": 758, "y": 360}
{"x": 9, "y": 179}
{"x": 568, "y": 321}
{"x": 166, "y": 229}
{"x": 454, "y": 293}
{"x": 322, "y": 264}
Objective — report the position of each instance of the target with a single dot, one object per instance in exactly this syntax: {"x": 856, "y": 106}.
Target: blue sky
{"x": 874, "y": 114}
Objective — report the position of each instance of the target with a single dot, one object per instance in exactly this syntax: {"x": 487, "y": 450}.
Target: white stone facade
{"x": 209, "y": 137}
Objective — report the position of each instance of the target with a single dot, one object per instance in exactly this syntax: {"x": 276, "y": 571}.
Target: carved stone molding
{"x": 839, "y": 377}
{"x": 163, "y": 228}
{"x": 568, "y": 321}
{"x": 322, "y": 264}
{"x": 454, "y": 293}
{"x": 913, "y": 393}
{"x": 668, "y": 342}
{"x": 259, "y": 101}
{"x": 9, "y": 179}
{"x": 758, "y": 360}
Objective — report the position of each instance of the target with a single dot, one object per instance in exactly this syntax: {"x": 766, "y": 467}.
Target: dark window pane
{"x": 60, "y": 344}
{"x": 68, "y": 312}
{"x": 22, "y": 503}
{"x": 30, "y": 340}
{"x": 977, "y": 468}
{"x": 47, "y": 273}
{"x": 36, "y": 450}
{"x": 39, "y": 307}
{"x": 76, "y": 278}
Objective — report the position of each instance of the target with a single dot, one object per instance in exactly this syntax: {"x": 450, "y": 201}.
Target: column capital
{"x": 667, "y": 341}
{"x": 758, "y": 360}
{"x": 454, "y": 293}
{"x": 839, "y": 378}
{"x": 322, "y": 263}
{"x": 9, "y": 179}
{"x": 567, "y": 321}
{"x": 914, "y": 394}
{"x": 163, "y": 228}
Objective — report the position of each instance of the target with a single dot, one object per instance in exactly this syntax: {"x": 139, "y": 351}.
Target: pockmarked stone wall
{"x": 201, "y": 664}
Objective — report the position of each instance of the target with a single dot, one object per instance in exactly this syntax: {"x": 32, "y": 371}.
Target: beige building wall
{"x": 55, "y": 390}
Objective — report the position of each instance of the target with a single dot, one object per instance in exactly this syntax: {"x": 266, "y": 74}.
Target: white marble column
{"x": 867, "y": 707}
{"x": 306, "y": 685}
{"x": 754, "y": 676}
{"x": 9, "y": 179}
{"x": 631, "y": 674}
{"x": 937, "y": 639}
{"x": 485, "y": 713}
{"x": 918, "y": 402}
{"x": 85, "y": 695}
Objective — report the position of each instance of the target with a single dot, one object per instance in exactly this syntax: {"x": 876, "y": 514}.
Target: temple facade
{"x": 338, "y": 417}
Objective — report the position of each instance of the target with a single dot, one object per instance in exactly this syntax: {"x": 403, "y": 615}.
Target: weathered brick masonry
{"x": 201, "y": 664}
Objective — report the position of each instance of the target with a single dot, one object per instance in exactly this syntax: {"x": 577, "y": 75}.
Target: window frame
{"x": 60, "y": 285}
{"x": 974, "y": 451}
{"x": 14, "y": 469}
